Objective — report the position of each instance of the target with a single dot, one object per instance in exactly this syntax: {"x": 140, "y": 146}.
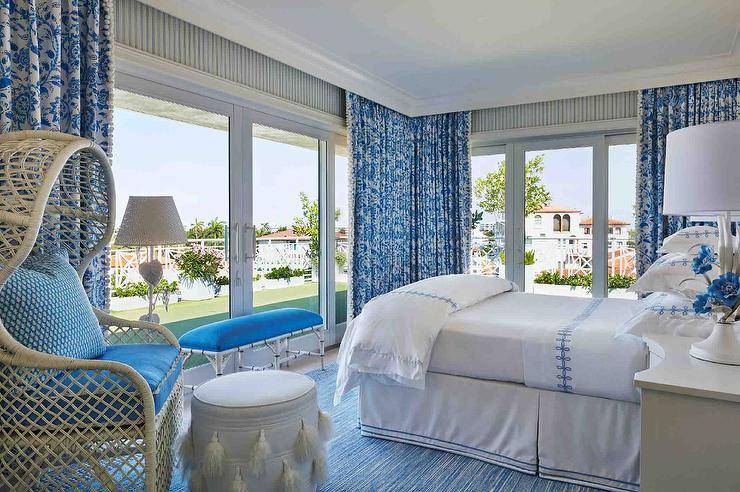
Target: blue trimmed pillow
{"x": 664, "y": 313}
{"x": 44, "y": 307}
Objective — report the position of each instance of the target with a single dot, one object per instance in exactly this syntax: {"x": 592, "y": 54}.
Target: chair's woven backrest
{"x": 56, "y": 191}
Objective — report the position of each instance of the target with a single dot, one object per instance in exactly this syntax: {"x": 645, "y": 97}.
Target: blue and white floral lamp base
{"x": 722, "y": 297}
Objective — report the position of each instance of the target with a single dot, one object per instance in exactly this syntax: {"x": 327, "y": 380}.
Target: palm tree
{"x": 196, "y": 230}
{"x": 214, "y": 230}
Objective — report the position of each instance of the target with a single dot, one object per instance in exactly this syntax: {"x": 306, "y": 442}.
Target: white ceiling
{"x": 423, "y": 57}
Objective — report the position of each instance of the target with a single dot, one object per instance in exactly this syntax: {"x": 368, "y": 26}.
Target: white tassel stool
{"x": 258, "y": 431}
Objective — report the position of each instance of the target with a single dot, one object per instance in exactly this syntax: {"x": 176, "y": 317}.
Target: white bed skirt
{"x": 579, "y": 439}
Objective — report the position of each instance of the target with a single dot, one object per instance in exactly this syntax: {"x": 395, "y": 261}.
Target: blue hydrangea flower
{"x": 703, "y": 261}
{"x": 702, "y": 304}
{"x": 725, "y": 289}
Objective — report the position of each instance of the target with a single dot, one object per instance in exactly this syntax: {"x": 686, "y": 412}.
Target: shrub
{"x": 621, "y": 281}
{"x": 222, "y": 280}
{"x": 141, "y": 289}
{"x": 582, "y": 280}
{"x": 284, "y": 272}
{"x": 198, "y": 265}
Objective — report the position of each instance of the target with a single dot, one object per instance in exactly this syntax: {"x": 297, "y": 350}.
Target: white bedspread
{"x": 581, "y": 354}
{"x": 393, "y": 336}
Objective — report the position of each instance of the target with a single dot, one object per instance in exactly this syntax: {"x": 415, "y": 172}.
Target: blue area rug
{"x": 359, "y": 463}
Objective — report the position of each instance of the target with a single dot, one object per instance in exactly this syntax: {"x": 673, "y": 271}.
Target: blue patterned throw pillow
{"x": 44, "y": 307}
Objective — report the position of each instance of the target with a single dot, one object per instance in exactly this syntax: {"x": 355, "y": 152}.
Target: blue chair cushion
{"x": 243, "y": 330}
{"x": 44, "y": 307}
{"x": 159, "y": 364}
{"x": 153, "y": 362}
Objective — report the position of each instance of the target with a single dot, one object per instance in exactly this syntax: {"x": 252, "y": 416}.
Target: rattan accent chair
{"x": 74, "y": 423}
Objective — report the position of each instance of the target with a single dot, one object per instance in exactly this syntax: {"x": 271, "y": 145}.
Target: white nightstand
{"x": 690, "y": 418}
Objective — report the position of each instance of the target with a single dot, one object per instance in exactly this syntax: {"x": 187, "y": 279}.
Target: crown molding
{"x": 134, "y": 64}
{"x": 231, "y": 20}
{"x": 235, "y": 23}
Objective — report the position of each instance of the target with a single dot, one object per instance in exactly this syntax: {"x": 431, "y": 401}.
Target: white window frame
{"x": 516, "y": 144}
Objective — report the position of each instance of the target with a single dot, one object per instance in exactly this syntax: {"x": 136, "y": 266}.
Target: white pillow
{"x": 668, "y": 314}
{"x": 688, "y": 240}
{"x": 667, "y": 274}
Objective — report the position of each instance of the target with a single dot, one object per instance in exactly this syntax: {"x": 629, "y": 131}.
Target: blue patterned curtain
{"x": 410, "y": 197}
{"x": 57, "y": 74}
{"x": 661, "y": 111}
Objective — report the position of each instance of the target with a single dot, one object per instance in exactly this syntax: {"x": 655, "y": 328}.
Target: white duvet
{"x": 416, "y": 313}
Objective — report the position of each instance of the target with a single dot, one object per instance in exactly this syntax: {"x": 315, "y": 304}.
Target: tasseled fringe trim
{"x": 258, "y": 457}
{"x": 319, "y": 471}
{"x": 306, "y": 444}
{"x": 326, "y": 427}
{"x": 238, "y": 485}
{"x": 185, "y": 451}
{"x": 289, "y": 478}
{"x": 197, "y": 482}
{"x": 214, "y": 458}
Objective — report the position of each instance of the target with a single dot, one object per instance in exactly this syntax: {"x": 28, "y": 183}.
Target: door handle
{"x": 251, "y": 237}
{"x": 236, "y": 242}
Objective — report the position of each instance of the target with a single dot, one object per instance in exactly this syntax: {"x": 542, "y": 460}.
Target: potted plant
{"x": 284, "y": 276}
{"x": 221, "y": 286}
{"x": 529, "y": 270}
{"x": 198, "y": 271}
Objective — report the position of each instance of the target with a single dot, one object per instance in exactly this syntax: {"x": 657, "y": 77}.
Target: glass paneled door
{"x": 558, "y": 219}
{"x": 165, "y": 148}
{"x": 286, "y": 251}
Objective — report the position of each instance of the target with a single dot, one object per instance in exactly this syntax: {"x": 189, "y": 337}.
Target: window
{"x": 341, "y": 202}
{"x": 566, "y": 223}
{"x": 558, "y": 180}
{"x": 163, "y": 148}
{"x": 621, "y": 248}
{"x": 571, "y": 209}
{"x": 285, "y": 203}
{"x": 488, "y": 168}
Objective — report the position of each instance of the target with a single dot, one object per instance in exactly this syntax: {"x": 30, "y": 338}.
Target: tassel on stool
{"x": 258, "y": 457}
{"x": 326, "y": 427}
{"x": 197, "y": 483}
{"x": 185, "y": 451}
{"x": 289, "y": 478}
{"x": 319, "y": 472}
{"x": 214, "y": 457}
{"x": 238, "y": 485}
{"x": 306, "y": 444}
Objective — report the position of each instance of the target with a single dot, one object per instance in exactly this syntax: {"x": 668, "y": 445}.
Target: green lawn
{"x": 185, "y": 315}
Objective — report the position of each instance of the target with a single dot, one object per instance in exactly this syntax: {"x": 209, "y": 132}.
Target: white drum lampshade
{"x": 702, "y": 170}
{"x": 151, "y": 221}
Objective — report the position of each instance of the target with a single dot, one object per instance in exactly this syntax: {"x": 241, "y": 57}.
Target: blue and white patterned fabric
{"x": 663, "y": 110}
{"x": 410, "y": 197}
{"x": 44, "y": 307}
{"x": 56, "y": 73}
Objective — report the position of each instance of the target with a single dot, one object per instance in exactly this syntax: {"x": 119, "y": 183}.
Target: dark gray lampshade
{"x": 150, "y": 221}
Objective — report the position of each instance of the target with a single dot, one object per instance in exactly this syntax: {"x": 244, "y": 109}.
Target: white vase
{"x": 722, "y": 346}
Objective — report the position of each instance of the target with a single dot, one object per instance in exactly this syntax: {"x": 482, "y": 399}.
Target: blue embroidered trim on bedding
{"x": 562, "y": 347}
{"x": 426, "y": 294}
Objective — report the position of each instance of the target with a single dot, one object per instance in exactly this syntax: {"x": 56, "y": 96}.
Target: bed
{"x": 535, "y": 383}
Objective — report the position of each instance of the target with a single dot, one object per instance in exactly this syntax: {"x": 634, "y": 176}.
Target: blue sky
{"x": 567, "y": 175}
{"x": 159, "y": 156}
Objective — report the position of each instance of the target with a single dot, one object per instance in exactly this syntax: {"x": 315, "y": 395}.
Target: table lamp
{"x": 151, "y": 221}
{"x": 702, "y": 179}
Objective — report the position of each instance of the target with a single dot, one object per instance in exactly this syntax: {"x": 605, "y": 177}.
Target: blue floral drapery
{"x": 57, "y": 74}
{"x": 661, "y": 111}
{"x": 410, "y": 197}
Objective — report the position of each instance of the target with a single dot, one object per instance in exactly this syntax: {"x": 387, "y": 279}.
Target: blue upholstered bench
{"x": 219, "y": 340}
